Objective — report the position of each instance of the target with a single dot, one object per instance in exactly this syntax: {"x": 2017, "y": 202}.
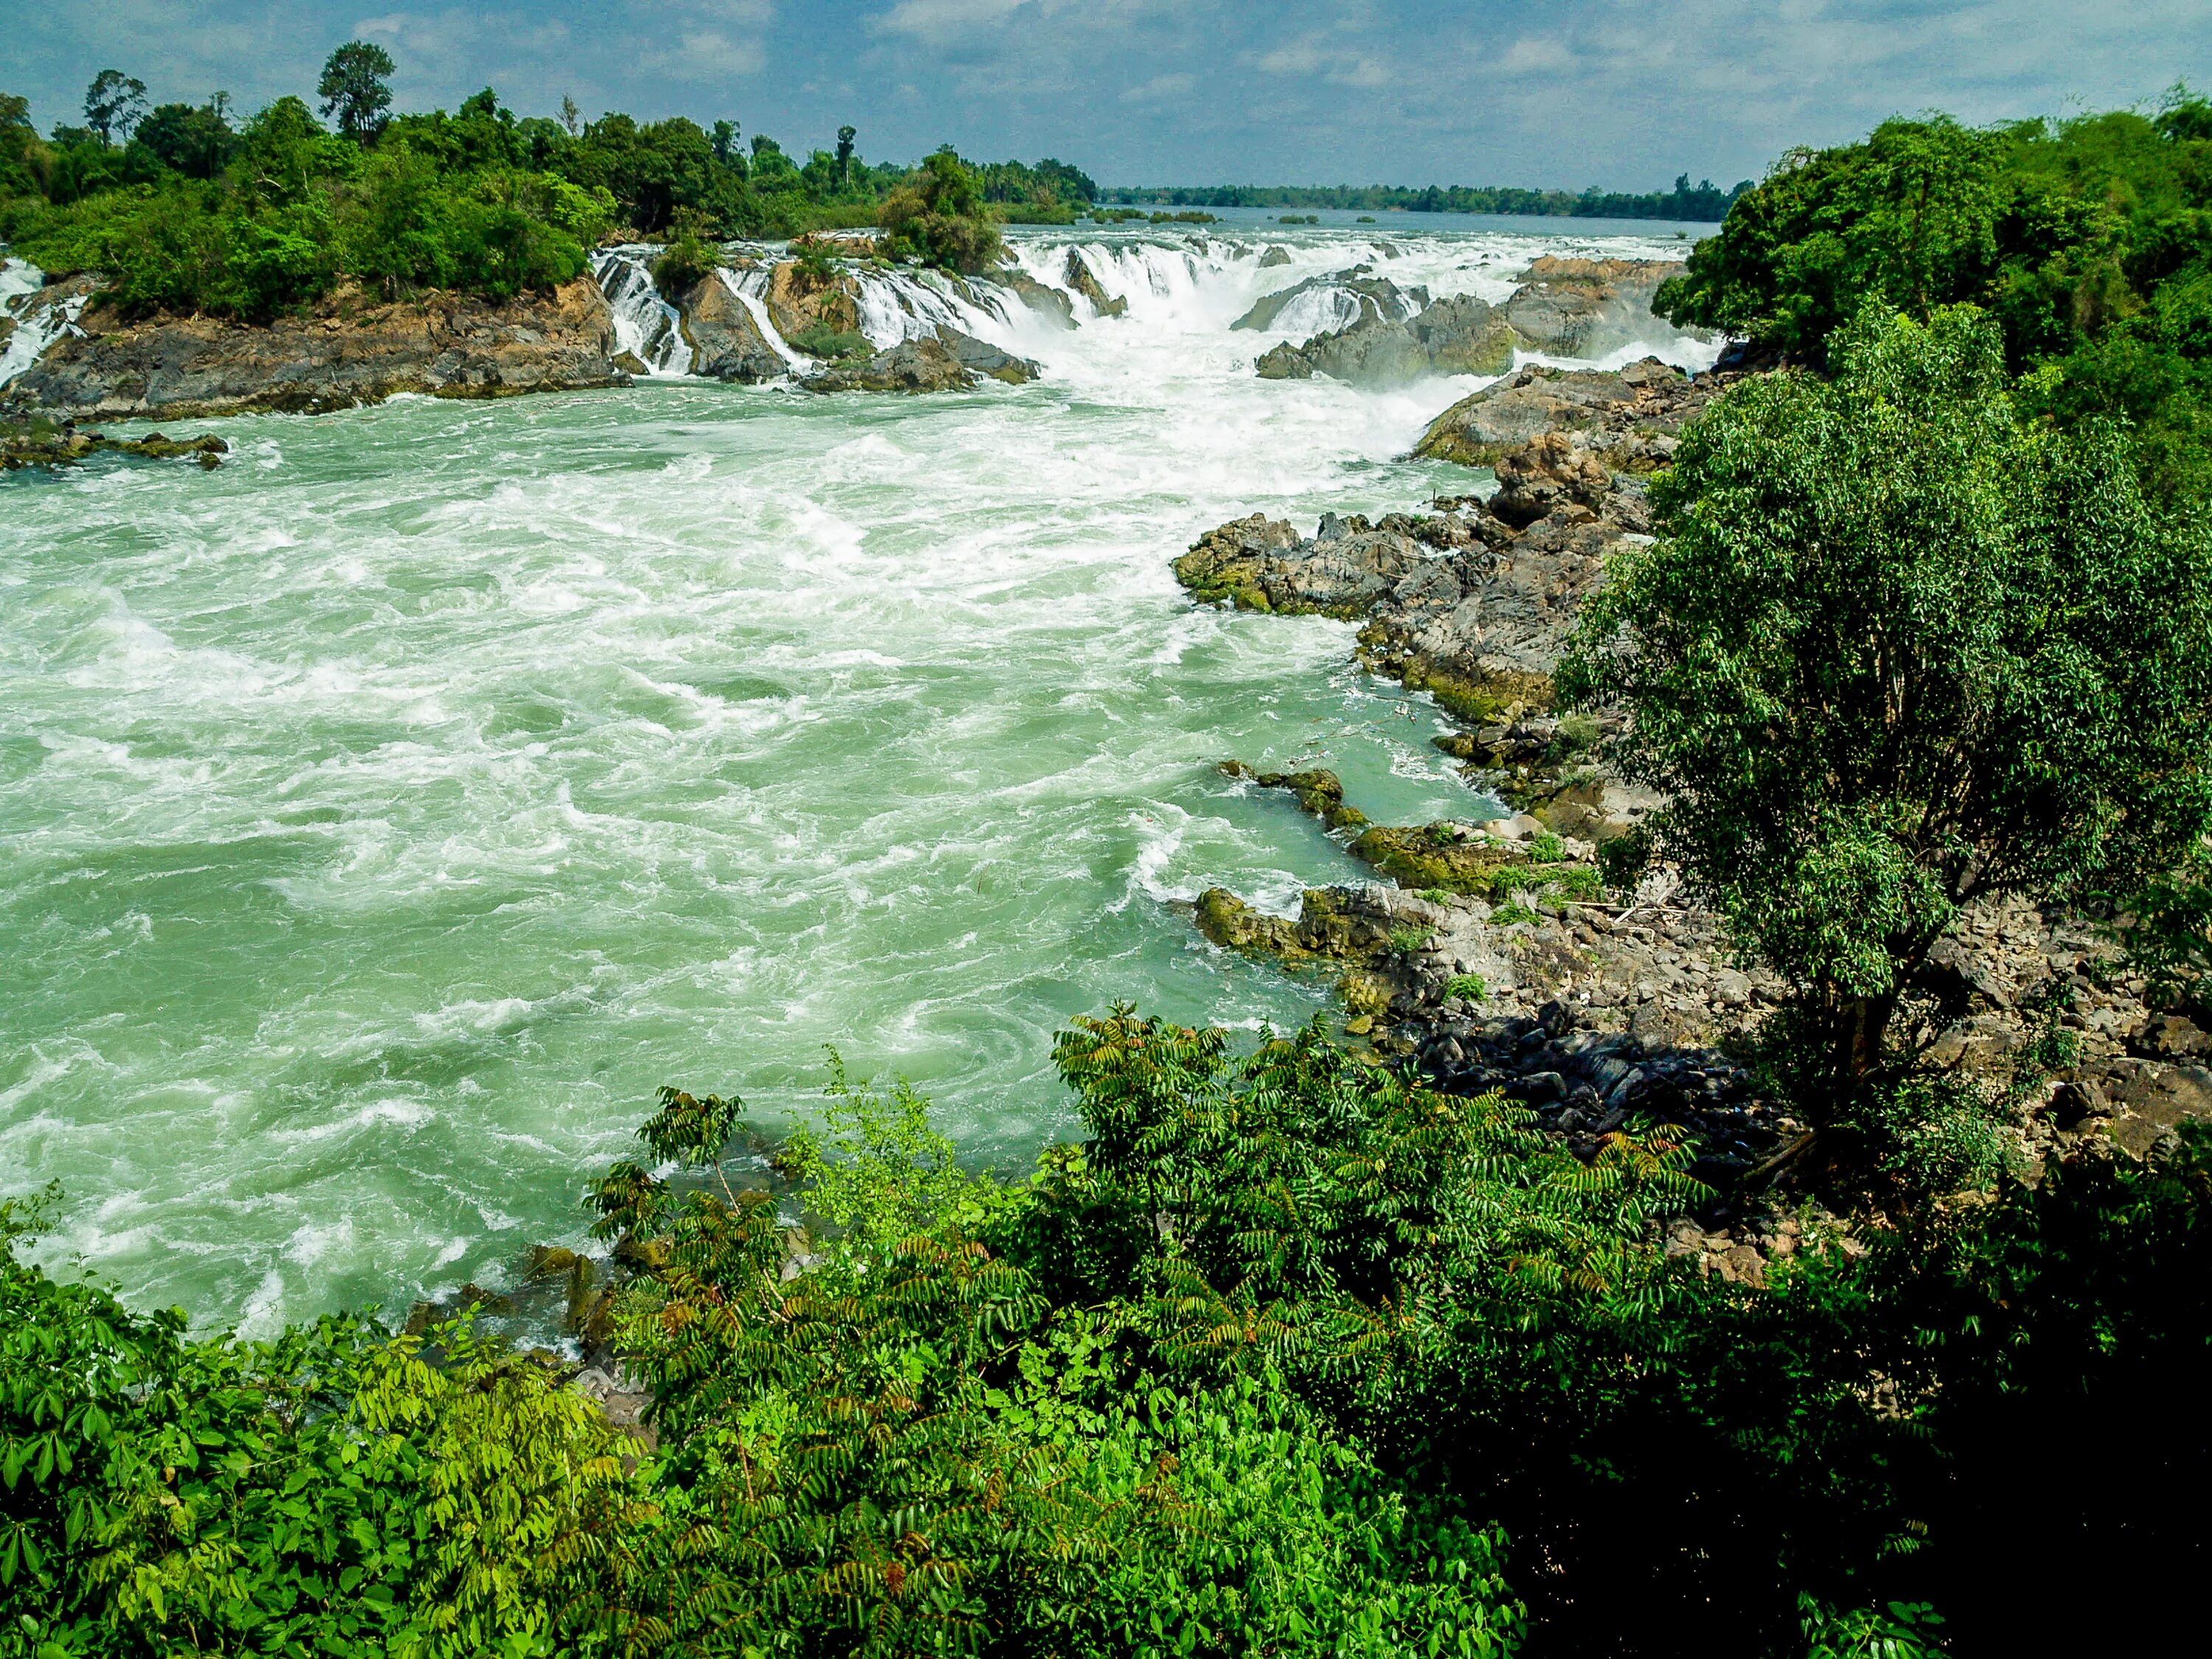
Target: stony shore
{"x": 349, "y": 350}
{"x": 1489, "y": 953}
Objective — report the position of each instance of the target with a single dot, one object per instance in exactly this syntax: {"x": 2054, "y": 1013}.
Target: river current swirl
{"x": 385, "y": 815}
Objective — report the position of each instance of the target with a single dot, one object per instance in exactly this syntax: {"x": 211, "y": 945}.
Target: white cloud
{"x": 1301, "y": 57}
{"x": 939, "y": 20}
{"x": 1160, "y": 88}
{"x": 1535, "y": 54}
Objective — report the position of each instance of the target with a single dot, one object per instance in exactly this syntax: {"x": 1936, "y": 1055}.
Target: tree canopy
{"x": 2090, "y": 242}
{"x": 1898, "y": 648}
{"x": 355, "y": 88}
{"x": 199, "y": 211}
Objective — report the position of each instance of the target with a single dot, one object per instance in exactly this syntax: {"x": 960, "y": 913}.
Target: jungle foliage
{"x": 187, "y": 208}
{"x": 1289, "y": 1355}
{"x": 1900, "y": 646}
{"x": 2089, "y": 241}
{"x": 1703, "y": 201}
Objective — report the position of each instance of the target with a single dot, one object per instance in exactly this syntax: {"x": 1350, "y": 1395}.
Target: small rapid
{"x": 40, "y": 318}
{"x": 386, "y": 813}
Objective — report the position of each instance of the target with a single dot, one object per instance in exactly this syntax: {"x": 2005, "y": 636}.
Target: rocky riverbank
{"x": 1385, "y": 335}
{"x": 1491, "y": 955}
{"x": 48, "y": 443}
{"x": 351, "y": 350}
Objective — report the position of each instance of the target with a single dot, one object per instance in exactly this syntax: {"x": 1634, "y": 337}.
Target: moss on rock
{"x": 1448, "y": 858}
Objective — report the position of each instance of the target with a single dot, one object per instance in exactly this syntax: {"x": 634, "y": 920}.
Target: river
{"x": 386, "y": 814}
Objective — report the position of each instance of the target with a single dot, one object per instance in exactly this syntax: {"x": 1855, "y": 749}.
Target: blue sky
{"x": 1621, "y": 94}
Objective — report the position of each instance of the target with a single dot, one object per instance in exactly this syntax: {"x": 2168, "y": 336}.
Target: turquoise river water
{"x": 386, "y": 814}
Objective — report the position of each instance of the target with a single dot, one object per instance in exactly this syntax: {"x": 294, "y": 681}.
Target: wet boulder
{"x": 1042, "y": 298}
{"x": 725, "y": 337}
{"x": 1335, "y": 299}
{"x": 1085, "y": 280}
{"x": 911, "y": 365}
{"x": 804, "y": 302}
{"x": 985, "y": 358}
{"x": 1458, "y": 335}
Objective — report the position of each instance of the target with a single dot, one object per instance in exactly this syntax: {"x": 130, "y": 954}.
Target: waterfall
{"x": 903, "y": 305}
{"x": 38, "y": 323}
{"x": 646, "y": 325}
{"x": 751, "y": 287}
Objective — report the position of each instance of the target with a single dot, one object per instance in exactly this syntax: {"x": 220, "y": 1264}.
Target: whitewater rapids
{"x": 386, "y": 814}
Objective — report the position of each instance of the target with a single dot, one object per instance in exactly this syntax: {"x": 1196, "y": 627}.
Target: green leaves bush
{"x": 1256, "y": 1367}
{"x": 1897, "y": 648}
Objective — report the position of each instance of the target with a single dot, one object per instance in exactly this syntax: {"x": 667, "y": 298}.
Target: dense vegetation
{"x": 1903, "y": 650}
{"x": 1289, "y": 1353}
{"x": 1703, "y": 202}
{"x": 1259, "y": 1367}
{"x": 2090, "y": 242}
{"x": 188, "y": 208}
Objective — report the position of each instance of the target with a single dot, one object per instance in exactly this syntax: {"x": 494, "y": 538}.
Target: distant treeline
{"x": 204, "y": 208}
{"x": 1705, "y": 201}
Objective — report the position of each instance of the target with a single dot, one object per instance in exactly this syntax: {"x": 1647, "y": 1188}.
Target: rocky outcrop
{"x": 1459, "y": 335}
{"x": 1467, "y": 605}
{"x": 1586, "y": 308}
{"x": 1352, "y": 297}
{"x": 725, "y": 337}
{"x": 1629, "y": 418}
{"x": 347, "y": 351}
{"x": 985, "y": 358}
{"x": 923, "y": 365}
{"x": 800, "y": 302}
{"x": 1042, "y": 298}
{"x": 1084, "y": 281}
{"x": 42, "y": 441}
{"x": 1551, "y": 471}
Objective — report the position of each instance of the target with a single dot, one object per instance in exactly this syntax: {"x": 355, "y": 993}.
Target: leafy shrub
{"x": 1252, "y": 1368}
{"x": 1470, "y": 989}
{"x": 2037, "y": 725}
{"x": 941, "y": 218}
{"x": 820, "y": 339}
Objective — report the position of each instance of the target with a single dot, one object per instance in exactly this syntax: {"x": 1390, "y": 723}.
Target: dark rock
{"x": 1365, "y": 298}
{"x": 1084, "y": 281}
{"x": 725, "y": 337}
{"x": 2172, "y": 1036}
{"x": 911, "y": 365}
{"x": 985, "y": 358}
{"x": 1041, "y": 298}
{"x": 1456, "y": 336}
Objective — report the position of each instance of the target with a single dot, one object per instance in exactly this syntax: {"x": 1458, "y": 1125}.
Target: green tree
{"x": 112, "y": 104}
{"x": 193, "y": 140}
{"x": 1895, "y": 650}
{"x": 845, "y": 137}
{"x": 356, "y": 88}
{"x": 940, "y": 219}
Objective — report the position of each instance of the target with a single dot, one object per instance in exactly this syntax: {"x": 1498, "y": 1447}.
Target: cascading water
{"x": 39, "y": 320}
{"x": 899, "y": 305}
{"x": 647, "y": 326}
{"x": 751, "y": 287}
{"x": 385, "y": 815}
